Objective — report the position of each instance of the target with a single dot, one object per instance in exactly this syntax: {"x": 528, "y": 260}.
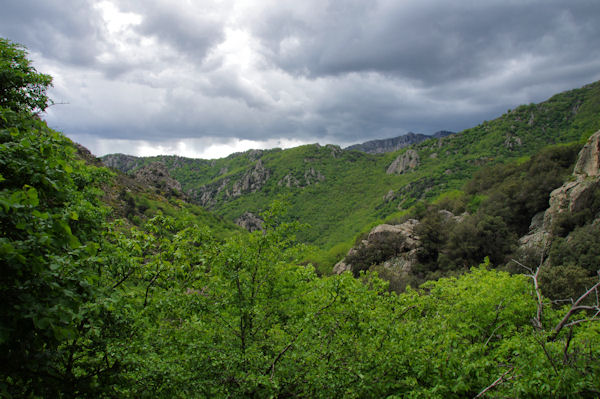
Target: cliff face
{"x": 571, "y": 198}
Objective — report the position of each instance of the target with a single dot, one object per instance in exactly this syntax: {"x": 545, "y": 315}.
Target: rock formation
{"x": 588, "y": 162}
{"x": 311, "y": 176}
{"x": 573, "y": 196}
{"x": 252, "y": 180}
{"x": 404, "y": 162}
{"x": 156, "y": 174}
{"x": 403, "y": 234}
{"x": 121, "y": 162}
{"x": 250, "y": 222}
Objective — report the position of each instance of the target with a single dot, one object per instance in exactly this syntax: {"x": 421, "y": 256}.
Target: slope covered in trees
{"x": 341, "y": 193}
{"x": 97, "y": 307}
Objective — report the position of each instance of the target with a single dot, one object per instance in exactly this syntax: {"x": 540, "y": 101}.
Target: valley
{"x": 463, "y": 265}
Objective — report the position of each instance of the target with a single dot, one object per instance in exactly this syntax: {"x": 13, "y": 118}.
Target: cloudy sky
{"x": 205, "y": 78}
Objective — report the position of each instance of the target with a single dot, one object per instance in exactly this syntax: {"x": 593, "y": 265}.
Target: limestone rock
{"x": 289, "y": 181}
{"x": 573, "y": 196}
{"x": 341, "y": 267}
{"x": 588, "y": 162}
{"x": 207, "y": 195}
{"x": 404, "y": 233}
{"x": 312, "y": 176}
{"x": 252, "y": 181}
{"x": 390, "y": 196}
{"x": 157, "y": 175}
{"x": 404, "y": 162}
{"x": 250, "y": 222}
{"x": 121, "y": 162}
{"x": 512, "y": 142}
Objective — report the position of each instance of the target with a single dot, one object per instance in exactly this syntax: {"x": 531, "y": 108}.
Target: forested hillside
{"x": 341, "y": 193}
{"x": 114, "y": 288}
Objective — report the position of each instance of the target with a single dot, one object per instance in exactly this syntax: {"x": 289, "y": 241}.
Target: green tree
{"x": 22, "y": 88}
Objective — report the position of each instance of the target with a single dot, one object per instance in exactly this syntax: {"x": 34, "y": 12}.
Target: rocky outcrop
{"x": 289, "y": 181}
{"x": 250, "y": 222}
{"x": 404, "y": 162}
{"x": 404, "y": 238}
{"x": 335, "y": 150}
{"x": 512, "y": 141}
{"x": 390, "y": 196}
{"x": 573, "y": 196}
{"x": 121, "y": 162}
{"x": 252, "y": 181}
{"x": 311, "y": 176}
{"x": 156, "y": 174}
{"x": 588, "y": 162}
{"x": 207, "y": 195}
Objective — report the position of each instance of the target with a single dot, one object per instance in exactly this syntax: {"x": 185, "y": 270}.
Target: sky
{"x": 206, "y": 78}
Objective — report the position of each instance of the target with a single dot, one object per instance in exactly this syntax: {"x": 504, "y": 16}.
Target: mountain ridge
{"x": 392, "y": 144}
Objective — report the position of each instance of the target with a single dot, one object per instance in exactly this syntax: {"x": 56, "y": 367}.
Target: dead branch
{"x": 537, "y": 321}
{"x": 576, "y": 307}
{"x": 498, "y": 381}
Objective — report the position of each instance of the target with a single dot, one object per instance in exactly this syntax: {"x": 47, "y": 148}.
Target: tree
{"x": 22, "y": 88}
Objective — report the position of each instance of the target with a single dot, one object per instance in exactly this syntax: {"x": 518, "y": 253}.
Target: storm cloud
{"x": 207, "y": 78}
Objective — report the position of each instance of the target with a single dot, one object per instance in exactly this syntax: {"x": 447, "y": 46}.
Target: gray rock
{"x": 573, "y": 196}
{"x": 404, "y": 233}
{"x": 404, "y": 162}
{"x": 588, "y": 162}
{"x": 252, "y": 181}
{"x": 250, "y": 222}
{"x": 157, "y": 175}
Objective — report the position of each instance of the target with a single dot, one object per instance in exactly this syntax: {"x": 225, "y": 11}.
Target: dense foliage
{"x": 93, "y": 308}
{"x": 22, "y": 88}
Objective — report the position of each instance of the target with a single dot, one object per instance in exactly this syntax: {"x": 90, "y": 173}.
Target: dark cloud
{"x": 428, "y": 41}
{"x": 65, "y": 30}
{"x": 191, "y": 29}
{"x": 312, "y": 70}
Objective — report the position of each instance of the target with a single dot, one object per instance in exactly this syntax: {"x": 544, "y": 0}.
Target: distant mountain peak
{"x": 395, "y": 143}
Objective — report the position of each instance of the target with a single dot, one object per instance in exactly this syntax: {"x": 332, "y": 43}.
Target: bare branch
{"x": 523, "y": 266}
{"x": 493, "y": 332}
{"x": 576, "y": 308}
{"x": 498, "y": 381}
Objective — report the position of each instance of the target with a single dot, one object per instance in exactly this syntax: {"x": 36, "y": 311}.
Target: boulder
{"x": 402, "y": 233}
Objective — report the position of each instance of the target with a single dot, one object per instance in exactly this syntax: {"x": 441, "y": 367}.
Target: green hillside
{"x": 341, "y": 193}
